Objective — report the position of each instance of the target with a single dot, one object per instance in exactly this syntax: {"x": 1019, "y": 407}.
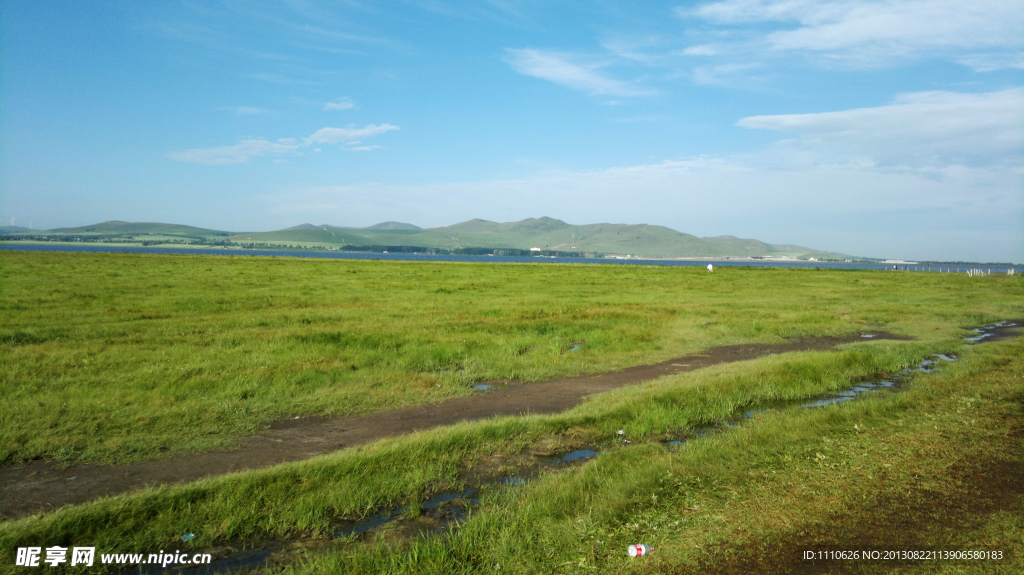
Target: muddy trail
{"x": 46, "y": 485}
{"x": 450, "y": 504}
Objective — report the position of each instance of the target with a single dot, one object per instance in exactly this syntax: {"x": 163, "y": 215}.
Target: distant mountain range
{"x": 547, "y": 235}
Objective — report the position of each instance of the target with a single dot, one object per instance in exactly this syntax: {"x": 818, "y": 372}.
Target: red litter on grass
{"x": 638, "y": 550}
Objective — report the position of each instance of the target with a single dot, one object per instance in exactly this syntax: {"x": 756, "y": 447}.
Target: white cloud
{"x": 992, "y": 62}
{"x": 877, "y": 30}
{"x": 237, "y": 154}
{"x": 558, "y": 68}
{"x": 247, "y": 110}
{"x": 703, "y": 50}
{"x": 242, "y": 151}
{"x": 339, "y": 104}
{"x": 722, "y": 74}
{"x": 923, "y": 128}
{"x": 347, "y": 135}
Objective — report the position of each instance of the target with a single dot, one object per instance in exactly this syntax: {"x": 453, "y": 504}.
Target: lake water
{"x": 505, "y": 259}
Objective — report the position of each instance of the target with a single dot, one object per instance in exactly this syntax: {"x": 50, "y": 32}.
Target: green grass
{"x": 112, "y": 357}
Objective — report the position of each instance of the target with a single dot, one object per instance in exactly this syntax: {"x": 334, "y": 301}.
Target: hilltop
{"x": 115, "y": 227}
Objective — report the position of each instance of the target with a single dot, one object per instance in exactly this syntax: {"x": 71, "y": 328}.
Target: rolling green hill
{"x": 302, "y": 234}
{"x": 544, "y": 233}
{"x": 639, "y": 240}
{"x": 138, "y": 228}
{"x": 393, "y": 226}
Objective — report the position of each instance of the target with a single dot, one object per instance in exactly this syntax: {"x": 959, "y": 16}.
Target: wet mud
{"x": 997, "y": 331}
{"x": 46, "y": 485}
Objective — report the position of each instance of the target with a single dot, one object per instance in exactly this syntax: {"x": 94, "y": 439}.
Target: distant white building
{"x": 534, "y": 249}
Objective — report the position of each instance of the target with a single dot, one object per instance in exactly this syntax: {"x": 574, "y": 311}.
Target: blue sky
{"x": 887, "y": 128}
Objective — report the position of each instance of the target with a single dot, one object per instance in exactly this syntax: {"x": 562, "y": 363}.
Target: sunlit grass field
{"x": 115, "y": 357}
{"x": 122, "y": 357}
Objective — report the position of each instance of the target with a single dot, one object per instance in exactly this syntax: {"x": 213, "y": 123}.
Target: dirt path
{"x": 45, "y": 485}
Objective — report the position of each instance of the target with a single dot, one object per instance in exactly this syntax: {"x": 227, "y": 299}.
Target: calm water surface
{"x": 505, "y": 259}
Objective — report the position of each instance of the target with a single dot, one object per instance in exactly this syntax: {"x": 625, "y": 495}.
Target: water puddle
{"x": 450, "y": 506}
{"x": 481, "y": 387}
{"x": 578, "y": 455}
{"x": 981, "y": 335}
{"x": 994, "y": 332}
{"x": 926, "y": 366}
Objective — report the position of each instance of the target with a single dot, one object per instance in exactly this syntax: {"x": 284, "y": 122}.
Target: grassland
{"x": 121, "y": 357}
{"x": 111, "y": 357}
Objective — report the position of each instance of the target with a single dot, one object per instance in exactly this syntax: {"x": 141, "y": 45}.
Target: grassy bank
{"x": 121, "y": 357}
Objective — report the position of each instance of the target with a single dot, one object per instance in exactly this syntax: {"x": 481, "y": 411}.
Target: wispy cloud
{"x": 339, "y": 104}
{"x": 702, "y": 50}
{"x": 876, "y": 31}
{"x": 247, "y": 110}
{"x": 276, "y": 78}
{"x": 249, "y": 148}
{"x": 918, "y": 129}
{"x": 992, "y": 62}
{"x": 347, "y": 135}
{"x": 237, "y": 154}
{"x": 562, "y": 70}
{"x": 723, "y": 74}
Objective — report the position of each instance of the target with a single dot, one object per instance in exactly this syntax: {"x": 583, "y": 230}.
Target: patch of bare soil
{"x": 45, "y": 485}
